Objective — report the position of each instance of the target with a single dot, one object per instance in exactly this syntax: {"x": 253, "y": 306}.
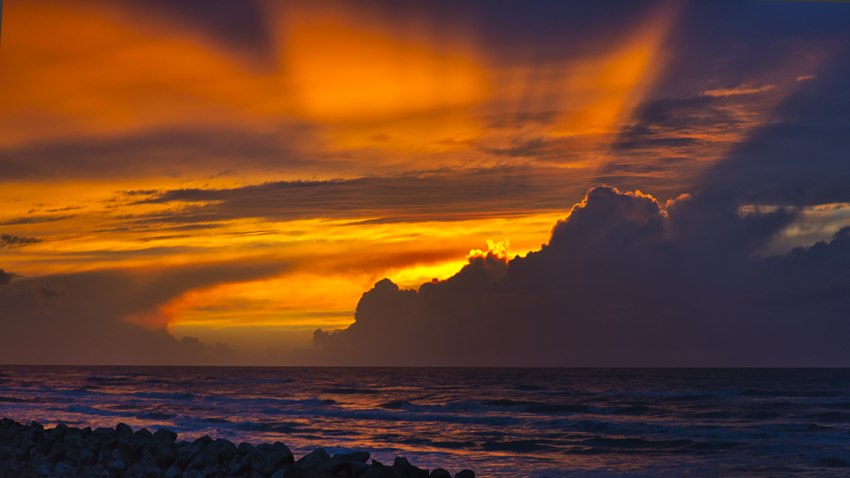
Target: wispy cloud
{"x": 741, "y": 90}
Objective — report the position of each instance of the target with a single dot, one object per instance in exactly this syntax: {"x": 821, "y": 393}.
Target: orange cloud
{"x": 338, "y": 73}
{"x": 741, "y": 90}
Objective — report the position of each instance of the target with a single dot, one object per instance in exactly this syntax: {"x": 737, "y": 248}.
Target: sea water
{"x": 543, "y": 422}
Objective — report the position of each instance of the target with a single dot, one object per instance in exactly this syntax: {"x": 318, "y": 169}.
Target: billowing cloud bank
{"x": 622, "y": 282}
{"x": 109, "y": 317}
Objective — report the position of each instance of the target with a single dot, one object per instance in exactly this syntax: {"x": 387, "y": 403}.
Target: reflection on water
{"x": 499, "y": 422}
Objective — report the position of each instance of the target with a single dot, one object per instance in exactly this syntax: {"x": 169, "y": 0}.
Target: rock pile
{"x": 31, "y": 451}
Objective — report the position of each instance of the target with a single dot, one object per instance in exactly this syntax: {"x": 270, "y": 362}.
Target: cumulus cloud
{"x": 623, "y": 281}
{"x": 83, "y": 318}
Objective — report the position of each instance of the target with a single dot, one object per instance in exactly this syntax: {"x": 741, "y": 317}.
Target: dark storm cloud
{"x": 730, "y": 62}
{"x": 6, "y": 277}
{"x": 557, "y": 29}
{"x": 731, "y": 43}
{"x": 7, "y": 240}
{"x": 432, "y": 196}
{"x": 802, "y": 157}
{"x": 241, "y": 26}
{"x": 171, "y": 153}
{"x": 81, "y": 318}
{"x": 621, "y": 283}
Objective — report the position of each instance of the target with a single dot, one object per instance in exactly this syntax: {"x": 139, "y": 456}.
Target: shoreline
{"x": 33, "y": 451}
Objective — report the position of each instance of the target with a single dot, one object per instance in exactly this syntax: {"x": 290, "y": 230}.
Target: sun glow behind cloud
{"x": 129, "y": 107}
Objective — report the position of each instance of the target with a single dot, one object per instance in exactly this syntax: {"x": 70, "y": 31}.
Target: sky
{"x": 552, "y": 183}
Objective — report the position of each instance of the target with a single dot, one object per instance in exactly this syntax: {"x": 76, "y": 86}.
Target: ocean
{"x": 499, "y": 422}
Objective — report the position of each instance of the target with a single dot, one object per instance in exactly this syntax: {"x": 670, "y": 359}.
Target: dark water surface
{"x": 498, "y": 422}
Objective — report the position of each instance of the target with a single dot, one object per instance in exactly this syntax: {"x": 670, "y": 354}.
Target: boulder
{"x": 166, "y": 435}
{"x": 361, "y": 456}
{"x": 208, "y": 472}
{"x": 277, "y": 456}
{"x": 317, "y": 460}
{"x": 245, "y": 448}
{"x": 403, "y": 469}
{"x": 130, "y": 451}
{"x": 182, "y": 461}
{"x": 358, "y": 469}
{"x": 41, "y": 464}
{"x": 62, "y": 469}
{"x": 173, "y": 472}
{"x": 117, "y": 467}
{"x": 225, "y": 450}
{"x": 57, "y": 452}
{"x": 123, "y": 431}
{"x": 440, "y": 473}
{"x": 199, "y": 445}
{"x": 465, "y": 474}
{"x": 163, "y": 454}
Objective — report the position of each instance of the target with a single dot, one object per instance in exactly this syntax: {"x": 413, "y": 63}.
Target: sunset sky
{"x": 241, "y": 172}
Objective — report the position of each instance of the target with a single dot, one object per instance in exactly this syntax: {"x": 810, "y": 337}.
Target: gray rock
{"x": 279, "y": 473}
{"x": 208, "y": 472}
{"x": 277, "y": 456}
{"x": 317, "y": 460}
{"x": 403, "y": 469}
{"x": 117, "y": 467}
{"x": 64, "y": 470}
{"x": 199, "y": 463}
{"x": 164, "y": 453}
{"x": 81, "y": 457}
{"x": 164, "y": 434}
{"x": 130, "y": 451}
{"x": 465, "y": 474}
{"x": 123, "y": 431}
{"x": 199, "y": 445}
{"x": 57, "y": 452}
{"x": 245, "y": 448}
{"x": 40, "y": 464}
{"x": 209, "y": 456}
{"x": 226, "y": 450}
{"x": 77, "y": 442}
{"x": 361, "y": 456}
{"x": 136, "y": 471}
{"x": 440, "y": 473}
{"x": 173, "y": 472}
{"x": 182, "y": 461}
{"x": 359, "y": 468}
{"x": 344, "y": 462}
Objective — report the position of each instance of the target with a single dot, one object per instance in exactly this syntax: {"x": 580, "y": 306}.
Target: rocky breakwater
{"x": 32, "y": 451}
